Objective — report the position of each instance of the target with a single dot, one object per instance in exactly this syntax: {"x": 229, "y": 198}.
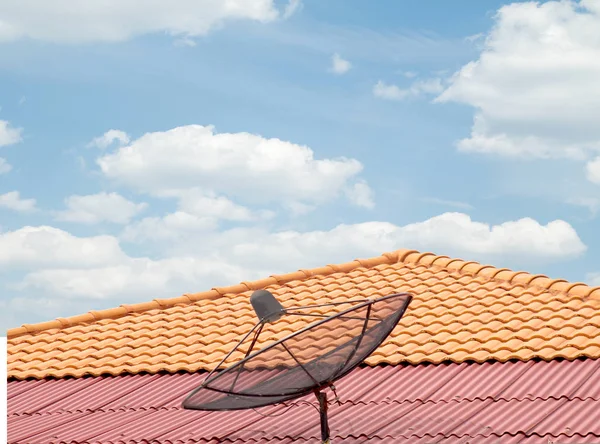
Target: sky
{"x": 151, "y": 149}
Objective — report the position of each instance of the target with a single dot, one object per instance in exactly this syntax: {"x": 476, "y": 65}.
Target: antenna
{"x": 310, "y": 359}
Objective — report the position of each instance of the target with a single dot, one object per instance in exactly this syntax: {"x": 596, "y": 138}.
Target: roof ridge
{"x": 473, "y": 268}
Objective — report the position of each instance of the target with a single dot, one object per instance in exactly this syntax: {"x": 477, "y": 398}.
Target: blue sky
{"x": 340, "y": 129}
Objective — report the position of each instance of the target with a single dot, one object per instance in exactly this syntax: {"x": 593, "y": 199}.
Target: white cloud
{"x": 593, "y": 170}
{"x": 361, "y": 194}
{"x": 535, "y": 85}
{"x": 427, "y": 86}
{"x": 591, "y": 203}
{"x": 522, "y": 241}
{"x": 61, "y": 265}
{"x": 173, "y": 228}
{"x": 108, "y": 138}
{"x": 5, "y": 167}
{"x": 525, "y": 146}
{"x": 101, "y": 207}
{"x": 416, "y": 89}
{"x": 8, "y": 134}
{"x": 72, "y": 21}
{"x": 206, "y": 203}
{"x": 239, "y": 165}
{"x": 454, "y": 234}
{"x": 199, "y": 211}
{"x": 339, "y": 65}
{"x": 13, "y": 201}
{"x": 299, "y": 209}
{"x": 389, "y": 92}
{"x": 34, "y": 306}
{"x": 140, "y": 278}
{"x": 521, "y": 238}
{"x": 48, "y": 247}
{"x": 292, "y": 8}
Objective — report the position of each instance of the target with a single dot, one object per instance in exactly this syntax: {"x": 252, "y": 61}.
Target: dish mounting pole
{"x": 322, "y": 397}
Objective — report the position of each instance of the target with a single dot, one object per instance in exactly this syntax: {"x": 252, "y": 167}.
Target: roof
{"x": 491, "y": 402}
{"x": 461, "y": 311}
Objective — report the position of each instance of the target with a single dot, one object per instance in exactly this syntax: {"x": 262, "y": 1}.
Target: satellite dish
{"x": 307, "y": 360}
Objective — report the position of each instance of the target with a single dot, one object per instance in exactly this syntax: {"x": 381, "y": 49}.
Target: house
{"x": 483, "y": 355}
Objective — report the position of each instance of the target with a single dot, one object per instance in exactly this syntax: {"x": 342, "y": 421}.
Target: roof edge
{"x": 577, "y": 289}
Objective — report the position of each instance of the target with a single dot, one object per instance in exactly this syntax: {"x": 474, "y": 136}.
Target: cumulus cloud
{"x": 13, "y": 201}
{"x": 450, "y": 233}
{"x": 101, "y": 207}
{"x": 389, "y": 92}
{"x": 239, "y": 165}
{"x": 9, "y": 135}
{"x": 385, "y": 91}
{"x": 521, "y": 241}
{"x": 35, "y": 306}
{"x": 60, "y": 265}
{"x": 535, "y": 85}
{"x": 48, "y": 247}
{"x": 199, "y": 211}
{"x": 141, "y": 278}
{"x": 108, "y": 138}
{"x": 593, "y": 170}
{"x": 206, "y": 203}
{"x": 176, "y": 227}
{"x": 361, "y": 194}
{"x": 524, "y": 237}
{"x": 298, "y": 208}
{"x": 339, "y": 65}
{"x": 5, "y": 167}
{"x": 72, "y": 21}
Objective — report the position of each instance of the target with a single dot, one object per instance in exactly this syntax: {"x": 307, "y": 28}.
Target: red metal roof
{"x": 556, "y": 401}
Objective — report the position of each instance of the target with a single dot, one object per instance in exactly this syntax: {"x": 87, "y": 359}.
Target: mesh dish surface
{"x": 292, "y": 366}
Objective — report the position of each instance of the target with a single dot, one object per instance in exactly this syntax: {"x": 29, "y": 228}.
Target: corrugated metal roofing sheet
{"x": 556, "y": 401}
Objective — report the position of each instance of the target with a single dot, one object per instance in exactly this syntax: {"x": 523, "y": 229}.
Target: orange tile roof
{"x": 461, "y": 311}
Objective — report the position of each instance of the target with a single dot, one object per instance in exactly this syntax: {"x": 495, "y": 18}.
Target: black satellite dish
{"x": 307, "y": 360}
